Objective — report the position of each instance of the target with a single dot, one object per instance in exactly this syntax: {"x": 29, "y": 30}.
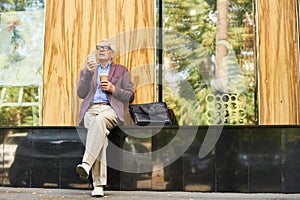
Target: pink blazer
{"x": 123, "y": 95}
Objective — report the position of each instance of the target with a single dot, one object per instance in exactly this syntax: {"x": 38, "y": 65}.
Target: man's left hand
{"x": 107, "y": 86}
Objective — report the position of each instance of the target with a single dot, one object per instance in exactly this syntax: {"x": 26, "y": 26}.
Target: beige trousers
{"x": 99, "y": 120}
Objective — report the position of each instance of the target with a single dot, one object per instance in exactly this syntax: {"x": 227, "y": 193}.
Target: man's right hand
{"x": 91, "y": 65}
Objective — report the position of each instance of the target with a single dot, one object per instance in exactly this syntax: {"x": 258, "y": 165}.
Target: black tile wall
{"x": 199, "y": 173}
{"x": 229, "y": 175}
{"x": 244, "y": 158}
{"x": 264, "y": 160}
{"x": 290, "y": 162}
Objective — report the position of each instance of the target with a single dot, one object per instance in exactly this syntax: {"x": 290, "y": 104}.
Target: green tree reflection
{"x": 190, "y": 50}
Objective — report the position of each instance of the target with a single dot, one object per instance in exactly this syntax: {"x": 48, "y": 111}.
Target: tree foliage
{"x": 20, "y": 69}
{"x": 190, "y": 45}
{"x": 19, "y": 115}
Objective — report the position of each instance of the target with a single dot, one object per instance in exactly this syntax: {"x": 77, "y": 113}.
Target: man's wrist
{"x": 113, "y": 89}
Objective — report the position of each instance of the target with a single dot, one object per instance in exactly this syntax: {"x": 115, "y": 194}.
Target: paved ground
{"x": 10, "y": 193}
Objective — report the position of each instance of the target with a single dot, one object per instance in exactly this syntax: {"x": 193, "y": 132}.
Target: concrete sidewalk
{"x": 10, "y": 193}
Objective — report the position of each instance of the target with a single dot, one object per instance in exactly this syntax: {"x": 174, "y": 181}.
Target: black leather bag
{"x": 150, "y": 114}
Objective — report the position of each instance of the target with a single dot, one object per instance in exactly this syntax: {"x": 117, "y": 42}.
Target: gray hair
{"x": 112, "y": 46}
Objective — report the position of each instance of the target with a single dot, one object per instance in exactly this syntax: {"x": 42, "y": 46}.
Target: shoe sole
{"x": 97, "y": 195}
{"x": 82, "y": 173}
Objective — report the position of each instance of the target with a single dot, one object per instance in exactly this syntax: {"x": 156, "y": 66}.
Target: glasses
{"x": 103, "y": 48}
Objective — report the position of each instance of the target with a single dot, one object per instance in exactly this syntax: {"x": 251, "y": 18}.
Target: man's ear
{"x": 113, "y": 53}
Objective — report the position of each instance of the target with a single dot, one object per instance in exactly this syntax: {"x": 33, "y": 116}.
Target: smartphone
{"x": 92, "y": 57}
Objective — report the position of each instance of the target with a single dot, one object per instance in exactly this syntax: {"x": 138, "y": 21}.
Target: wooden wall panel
{"x": 73, "y": 28}
{"x": 278, "y": 62}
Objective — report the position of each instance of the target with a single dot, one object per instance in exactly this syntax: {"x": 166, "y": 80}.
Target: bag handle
{"x": 144, "y": 109}
{"x": 154, "y": 108}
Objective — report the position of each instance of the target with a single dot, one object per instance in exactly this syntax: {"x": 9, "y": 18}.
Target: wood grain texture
{"x": 73, "y": 28}
{"x": 278, "y": 62}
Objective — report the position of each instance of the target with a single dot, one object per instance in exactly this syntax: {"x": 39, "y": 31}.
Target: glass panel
{"x": 208, "y": 65}
{"x": 21, "y": 56}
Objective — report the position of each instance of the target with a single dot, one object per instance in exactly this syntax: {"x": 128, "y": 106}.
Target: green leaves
{"x": 190, "y": 45}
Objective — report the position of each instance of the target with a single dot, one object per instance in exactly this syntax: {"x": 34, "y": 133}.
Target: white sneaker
{"x": 83, "y": 170}
{"x": 98, "y": 192}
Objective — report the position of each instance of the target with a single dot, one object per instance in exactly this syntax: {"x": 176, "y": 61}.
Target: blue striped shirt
{"x": 100, "y": 95}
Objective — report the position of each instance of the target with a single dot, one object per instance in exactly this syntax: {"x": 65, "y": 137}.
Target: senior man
{"x": 101, "y": 110}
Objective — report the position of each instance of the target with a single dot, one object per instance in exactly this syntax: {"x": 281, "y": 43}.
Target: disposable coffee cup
{"x": 103, "y": 77}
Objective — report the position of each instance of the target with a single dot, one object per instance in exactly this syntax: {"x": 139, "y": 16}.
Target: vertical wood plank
{"x": 73, "y": 28}
{"x": 278, "y": 62}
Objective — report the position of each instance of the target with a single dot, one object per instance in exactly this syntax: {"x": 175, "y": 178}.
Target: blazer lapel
{"x": 95, "y": 77}
{"x": 111, "y": 71}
